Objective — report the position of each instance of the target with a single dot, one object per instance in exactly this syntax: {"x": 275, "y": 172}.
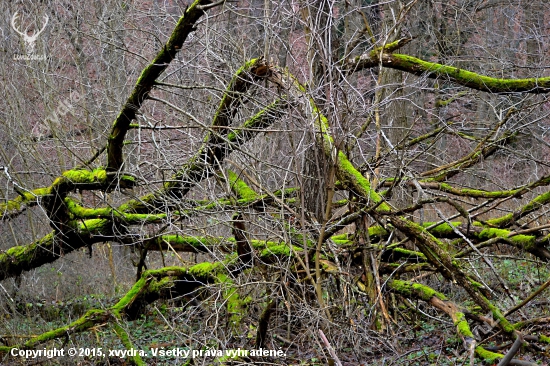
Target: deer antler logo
{"x": 29, "y": 40}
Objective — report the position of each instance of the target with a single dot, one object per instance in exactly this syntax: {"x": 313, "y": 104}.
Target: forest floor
{"x": 416, "y": 335}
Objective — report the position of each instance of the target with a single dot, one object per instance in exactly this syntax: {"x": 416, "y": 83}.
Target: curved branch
{"x": 201, "y": 165}
{"x": 433, "y": 70}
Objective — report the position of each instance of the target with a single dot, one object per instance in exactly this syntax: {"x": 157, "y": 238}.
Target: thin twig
{"x": 329, "y": 348}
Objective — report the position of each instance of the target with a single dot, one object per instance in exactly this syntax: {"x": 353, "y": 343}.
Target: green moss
{"x": 418, "y": 290}
{"x": 526, "y": 241}
{"x": 279, "y": 250}
{"x": 236, "y": 305}
{"x": 390, "y": 47}
{"x": 19, "y": 252}
{"x": 345, "y": 236}
{"x": 347, "y": 172}
{"x": 467, "y": 78}
{"x": 146, "y": 81}
{"x": 130, "y": 296}
{"x": 79, "y": 212}
{"x": 256, "y": 121}
{"x": 58, "y": 181}
{"x": 240, "y": 187}
{"x": 442, "y": 230}
{"x": 533, "y": 205}
{"x": 13, "y": 207}
{"x": 205, "y": 269}
{"x": 462, "y": 325}
{"x": 80, "y": 176}
{"x": 477, "y": 193}
{"x": 61, "y": 185}
{"x": 341, "y": 241}
{"x": 125, "y": 339}
{"x": 93, "y": 225}
{"x": 234, "y": 302}
{"x": 503, "y": 323}
{"x": 238, "y": 84}
{"x": 488, "y": 356}
{"x": 407, "y": 252}
{"x": 89, "y": 319}
{"x": 138, "y": 204}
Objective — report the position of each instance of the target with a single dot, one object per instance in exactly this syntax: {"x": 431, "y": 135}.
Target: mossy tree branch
{"x": 440, "y": 301}
{"x": 70, "y": 180}
{"x": 146, "y": 81}
{"x": 433, "y": 70}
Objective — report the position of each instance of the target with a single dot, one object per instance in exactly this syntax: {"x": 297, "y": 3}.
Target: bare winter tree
{"x": 340, "y": 181}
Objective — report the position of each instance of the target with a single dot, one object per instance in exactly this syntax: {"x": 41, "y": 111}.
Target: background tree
{"x": 330, "y": 178}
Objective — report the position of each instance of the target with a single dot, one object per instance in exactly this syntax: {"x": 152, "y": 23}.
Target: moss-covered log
{"x": 511, "y": 218}
{"x": 19, "y": 259}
